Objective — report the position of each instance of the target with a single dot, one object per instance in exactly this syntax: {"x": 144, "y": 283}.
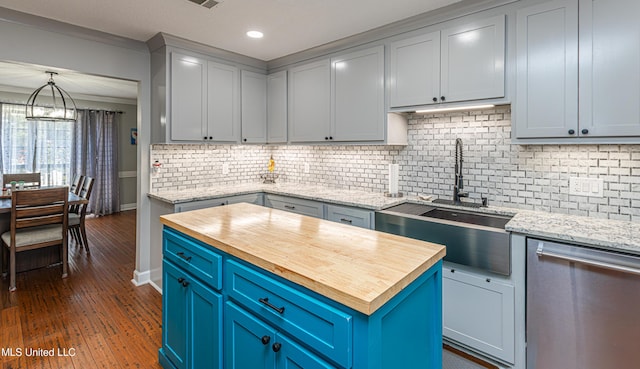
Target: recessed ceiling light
{"x": 255, "y": 34}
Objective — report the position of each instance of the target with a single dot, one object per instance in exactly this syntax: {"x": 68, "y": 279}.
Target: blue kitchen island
{"x": 248, "y": 287}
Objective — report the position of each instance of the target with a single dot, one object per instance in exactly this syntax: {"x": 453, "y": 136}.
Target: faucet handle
{"x": 485, "y": 201}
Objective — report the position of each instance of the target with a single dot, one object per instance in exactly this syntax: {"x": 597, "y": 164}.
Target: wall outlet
{"x": 307, "y": 168}
{"x": 225, "y": 168}
{"x": 592, "y": 187}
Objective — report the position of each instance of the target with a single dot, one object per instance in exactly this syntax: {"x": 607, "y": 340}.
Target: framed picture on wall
{"x": 134, "y": 136}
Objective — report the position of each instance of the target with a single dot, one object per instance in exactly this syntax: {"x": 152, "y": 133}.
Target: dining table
{"x": 37, "y": 258}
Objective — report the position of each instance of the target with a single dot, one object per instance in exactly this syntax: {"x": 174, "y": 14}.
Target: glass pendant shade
{"x": 51, "y": 103}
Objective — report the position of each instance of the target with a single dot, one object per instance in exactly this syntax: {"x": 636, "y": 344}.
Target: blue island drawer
{"x": 193, "y": 256}
{"x": 321, "y": 327}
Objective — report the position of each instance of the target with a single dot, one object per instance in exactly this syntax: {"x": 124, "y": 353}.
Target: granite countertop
{"x": 357, "y": 267}
{"x": 587, "y": 231}
{"x": 356, "y": 198}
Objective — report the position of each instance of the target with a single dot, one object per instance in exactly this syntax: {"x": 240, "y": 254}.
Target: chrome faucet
{"x": 458, "y": 185}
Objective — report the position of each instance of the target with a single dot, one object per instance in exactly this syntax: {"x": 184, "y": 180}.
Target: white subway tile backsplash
{"x": 529, "y": 177}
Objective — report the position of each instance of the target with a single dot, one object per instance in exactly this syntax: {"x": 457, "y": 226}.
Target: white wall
{"x": 35, "y": 40}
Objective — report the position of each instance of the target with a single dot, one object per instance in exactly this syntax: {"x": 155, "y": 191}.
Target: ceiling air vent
{"x": 206, "y": 3}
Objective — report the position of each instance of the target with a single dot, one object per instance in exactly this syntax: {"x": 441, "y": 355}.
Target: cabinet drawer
{"x": 321, "y": 327}
{"x": 299, "y": 206}
{"x": 351, "y": 216}
{"x": 194, "y": 257}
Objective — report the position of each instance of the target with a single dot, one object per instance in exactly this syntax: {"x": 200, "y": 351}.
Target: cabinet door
{"x": 205, "y": 326}
{"x": 174, "y": 315}
{"x": 277, "y": 107}
{"x": 609, "y": 68}
{"x": 357, "y": 96}
{"x": 472, "y": 60}
{"x": 309, "y": 102}
{"x": 546, "y": 103}
{"x": 415, "y": 70}
{"x": 294, "y": 356}
{"x": 223, "y": 110}
{"x": 248, "y": 341}
{"x": 487, "y": 324}
{"x": 254, "y": 107}
{"x": 188, "y": 97}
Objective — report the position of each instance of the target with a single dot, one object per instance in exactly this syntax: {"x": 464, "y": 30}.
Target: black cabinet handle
{"x": 453, "y": 270}
{"x": 276, "y": 347}
{"x": 488, "y": 280}
{"x": 343, "y": 220}
{"x": 572, "y": 131}
{"x": 435, "y": 99}
{"x": 265, "y": 340}
{"x": 585, "y": 131}
{"x": 291, "y": 207}
{"x": 182, "y": 255}
{"x": 265, "y": 301}
{"x": 442, "y": 98}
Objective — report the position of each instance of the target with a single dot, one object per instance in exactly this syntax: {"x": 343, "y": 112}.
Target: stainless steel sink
{"x": 472, "y": 238}
{"x": 487, "y": 220}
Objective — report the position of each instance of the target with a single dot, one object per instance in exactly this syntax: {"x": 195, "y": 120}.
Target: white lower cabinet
{"x": 352, "y": 216}
{"x": 479, "y": 312}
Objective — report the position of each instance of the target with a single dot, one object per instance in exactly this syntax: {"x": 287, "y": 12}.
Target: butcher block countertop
{"x": 359, "y": 268}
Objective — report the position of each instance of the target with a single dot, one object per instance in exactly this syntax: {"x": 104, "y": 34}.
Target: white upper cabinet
{"x": 309, "y": 102}
{"x": 204, "y": 100}
{"x": 456, "y": 64}
{"x": 277, "y": 107}
{"x": 546, "y": 103}
{"x": 357, "y": 96}
{"x": 609, "y": 68}
{"x": 415, "y": 70}
{"x": 472, "y": 60}
{"x": 578, "y": 71}
{"x": 188, "y": 98}
{"x": 223, "y": 108}
{"x": 254, "y": 107}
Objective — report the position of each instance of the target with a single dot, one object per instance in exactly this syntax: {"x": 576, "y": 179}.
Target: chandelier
{"x": 51, "y": 103}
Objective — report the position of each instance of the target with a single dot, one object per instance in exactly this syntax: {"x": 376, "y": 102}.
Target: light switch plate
{"x": 592, "y": 187}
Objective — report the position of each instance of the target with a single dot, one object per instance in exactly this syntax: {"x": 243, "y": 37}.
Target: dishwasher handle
{"x": 597, "y": 258}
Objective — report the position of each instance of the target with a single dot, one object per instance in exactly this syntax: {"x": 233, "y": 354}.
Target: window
{"x": 34, "y": 146}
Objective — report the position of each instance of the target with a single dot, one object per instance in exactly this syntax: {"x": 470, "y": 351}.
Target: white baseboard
{"x": 125, "y": 207}
{"x": 159, "y": 289}
{"x": 140, "y": 279}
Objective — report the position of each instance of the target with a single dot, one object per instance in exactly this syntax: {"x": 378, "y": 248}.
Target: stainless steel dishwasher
{"x": 583, "y": 307}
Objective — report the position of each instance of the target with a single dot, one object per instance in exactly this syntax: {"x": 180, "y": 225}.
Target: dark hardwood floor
{"x": 96, "y": 316}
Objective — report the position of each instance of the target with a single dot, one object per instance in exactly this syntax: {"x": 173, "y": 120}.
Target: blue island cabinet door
{"x": 205, "y": 320}
{"x": 174, "y": 315}
{"x": 293, "y": 356}
{"x": 248, "y": 341}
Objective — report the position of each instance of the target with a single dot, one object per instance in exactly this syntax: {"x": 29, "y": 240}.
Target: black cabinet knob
{"x": 211, "y": 137}
{"x": 205, "y": 137}
{"x": 442, "y": 98}
{"x": 276, "y": 347}
{"x": 331, "y": 138}
{"x": 435, "y": 99}
{"x": 453, "y": 270}
{"x": 572, "y": 131}
{"x": 326, "y": 138}
{"x": 265, "y": 340}
{"x": 584, "y": 131}
{"x": 245, "y": 140}
{"x": 180, "y": 280}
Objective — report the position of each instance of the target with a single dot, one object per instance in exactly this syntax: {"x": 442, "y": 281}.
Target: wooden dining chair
{"x": 38, "y": 219}
{"x": 76, "y": 219}
{"x": 75, "y": 184}
{"x": 32, "y": 178}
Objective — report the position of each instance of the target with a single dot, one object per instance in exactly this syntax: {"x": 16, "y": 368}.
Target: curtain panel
{"x": 61, "y": 150}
